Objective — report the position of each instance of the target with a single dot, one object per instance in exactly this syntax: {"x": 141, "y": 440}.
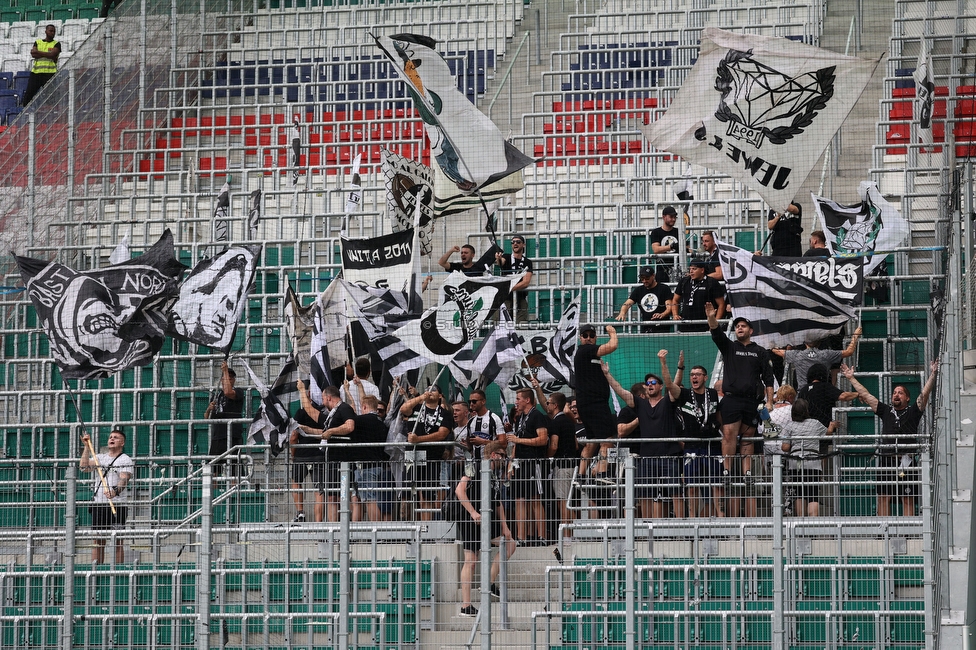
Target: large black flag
{"x": 104, "y": 321}
{"x": 213, "y": 296}
{"x": 273, "y": 423}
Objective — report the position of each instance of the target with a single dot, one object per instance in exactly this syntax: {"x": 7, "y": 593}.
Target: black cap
{"x": 587, "y": 328}
{"x": 744, "y": 320}
{"x": 669, "y": 209}
{"x": 698, "y": 262}
{"x": 646, "y": 272}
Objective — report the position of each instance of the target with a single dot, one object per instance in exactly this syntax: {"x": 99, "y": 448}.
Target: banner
{"x": 789, "y": 300}
{"x": 467, "y": 146}
{"x": 273, "y": 423}
{"x": 760, "y": 109}
{"x": 213, "y": 297}
{"x": 555, "y": 362}
{"x": 383, "y": 262}
{"x": 408, "y": 181}
{"x": 107, "y": 320}
{"x": 859, "y": 230}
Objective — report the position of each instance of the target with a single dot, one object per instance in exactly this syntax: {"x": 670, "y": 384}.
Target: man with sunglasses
{"x": 483, "y": 426}
{"x": 514, "y": 264}
{"x": 747, "y": 378}
{"x": 592, "y": 389}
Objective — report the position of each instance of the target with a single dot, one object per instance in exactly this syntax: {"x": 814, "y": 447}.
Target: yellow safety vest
{"x": 45, "y": 66}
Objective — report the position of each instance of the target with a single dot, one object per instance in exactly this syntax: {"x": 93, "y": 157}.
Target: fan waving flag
{"x": 272, "y": 423}
{"x": 213, "y": 297}
{"x": 859, "y": 230}
{"x": 789, "y": 300}
{"x": 86, "y": 314}
{"x": 760, "y": 109}
{"x": 466, "y": 144}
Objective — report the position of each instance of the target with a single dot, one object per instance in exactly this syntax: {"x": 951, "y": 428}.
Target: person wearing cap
{"x": 691, "y": 294}
{"x": 592, "y": 389}
{"x": 514, "y": 264}
{"x": 786, "y": 228}
{"x": 664, "y": 242}
{"x": 468, "y": 264}
{"x": 803, "y": 360}
{"x": 654, "y": 300}
{"x": 746, "y": 379}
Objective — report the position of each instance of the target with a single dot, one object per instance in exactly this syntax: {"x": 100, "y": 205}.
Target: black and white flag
{"x": 295, "y": 137}
{"x": 121, "y": 252}
{"x": 354, "y": 194}
{"x": 500, "y": 354}
{"x": 107, "y": 320}
{"x": 381, "y": 262}
{"x": 789, "y": 300}
{"x": 221, "y": 215}
{"x": 254, "y": 214}
{"x": 464, "y": 142}
{"x": 859, "y": 230}
{"x": 407, "y": 183}
{"x": 555, "y": 363}
{"x": 760, "y": 109}
{"x": 213, "y": 297}
{"x": 273, "y": 424}
{"x": 924, "y": 92}
{"x": 299, "y": 323}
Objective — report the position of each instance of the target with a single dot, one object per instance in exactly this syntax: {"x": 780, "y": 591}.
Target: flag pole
{"x": 91, "y": 449}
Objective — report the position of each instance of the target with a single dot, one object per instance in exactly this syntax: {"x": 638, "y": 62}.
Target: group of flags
{"x": 775, "y": 104}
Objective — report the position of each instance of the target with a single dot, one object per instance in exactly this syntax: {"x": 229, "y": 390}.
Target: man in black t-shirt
{"x": 228, "y": 404}
{"x": 305, "y": 459}
{"x": 665, "y": 242}
{"x": 434, "y": 424}
{"x": 747, "y": 376}
{"x": 514, "y": 264}
{"x": 818, "y": 245}
{"x": 653, "y": 300}
{"x": 374, "y": 481}
{"x": 786, "y": 229}
{"x": 700, "y": 420}
{"x": 336, "y": 421}
{"x": 564, "y": 452}
{"x": 691, "y": 294}
{"x": 899, "y": 440}
{"x": 530, "y": 433}
{"x": 714, "y": 267}
{"x": 468, "y": 264}
{"x": 592, "y": 389}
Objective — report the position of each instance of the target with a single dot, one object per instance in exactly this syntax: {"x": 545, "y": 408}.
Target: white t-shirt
{"x": 113, "y": 468}
{"x": 369, "y": 388}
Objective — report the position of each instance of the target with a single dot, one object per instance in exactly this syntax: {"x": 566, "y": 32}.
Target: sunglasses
{"x": 652, "y": 382}
{"x": 591, "y": 335}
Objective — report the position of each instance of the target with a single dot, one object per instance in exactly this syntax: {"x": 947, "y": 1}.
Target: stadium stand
{"x": 152, "y": 114}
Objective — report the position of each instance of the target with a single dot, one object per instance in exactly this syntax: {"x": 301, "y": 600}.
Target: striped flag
{"x": 500, "y": 354}
{"x": 254, "y": 214}
{"x": 273, "y": 423}
{"x": 556, "y": 364}
{"x": 221, "y": 215}
{"x": 789, "y": 300}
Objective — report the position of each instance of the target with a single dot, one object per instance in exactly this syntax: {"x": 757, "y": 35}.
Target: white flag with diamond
{"x": 760, "y": 109}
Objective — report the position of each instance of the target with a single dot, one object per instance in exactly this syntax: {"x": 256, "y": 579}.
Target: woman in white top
{"x": 801, "y": 439}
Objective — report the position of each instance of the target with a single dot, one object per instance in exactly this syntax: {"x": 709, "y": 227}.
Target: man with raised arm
{"x": 658, "y": 471}
{"x": 746, "y": 379}
{"x": 899, "y": 440}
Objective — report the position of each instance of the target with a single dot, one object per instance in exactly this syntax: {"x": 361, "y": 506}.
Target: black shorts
{"x": 894, "y": 480}
{"x": 738, "y": 409}
{"x": 658, "y": 477}
{"x": 426, "y": 478}
{"x": 103, "y": 519}
{"x": 527, "y": 479}
{"x": 809, "y": 481}
{"x": 469, "y": 532}
{"x": 599, "y": 421}
{"x": 301, "y": 468}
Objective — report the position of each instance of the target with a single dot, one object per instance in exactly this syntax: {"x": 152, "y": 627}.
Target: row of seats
{"x": 901, "y": 119}
{"x": 80, "y": 9}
